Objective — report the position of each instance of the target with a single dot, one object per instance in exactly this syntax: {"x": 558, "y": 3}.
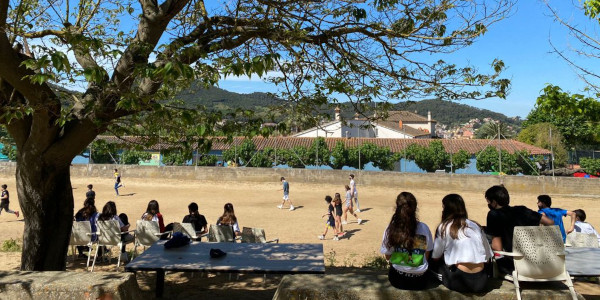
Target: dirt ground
{"x": 255, "y": 206}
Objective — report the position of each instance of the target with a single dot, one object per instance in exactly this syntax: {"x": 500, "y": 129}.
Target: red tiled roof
{"x": 396, "y": 145}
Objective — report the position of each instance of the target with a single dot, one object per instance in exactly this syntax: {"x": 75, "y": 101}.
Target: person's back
{"x": 555, "y": 214}
{"x": 501, "y": 222}
{"x": 581, "y": 226}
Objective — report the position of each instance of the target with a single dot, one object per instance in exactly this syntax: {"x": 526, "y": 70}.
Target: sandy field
{"x": 255, "y": 206}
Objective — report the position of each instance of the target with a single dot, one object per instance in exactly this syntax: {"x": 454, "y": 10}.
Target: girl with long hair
{"x": 109, "y": 212}
{"x": 463, "y": 247}
{"x": 87, "y": 213}
{"x": 337, "y": 204}
{"x": 407, "y": 244}
{"x": 349, "y": 207}
{"x": 153, "y": 214}
{"x": 228, "y": 218}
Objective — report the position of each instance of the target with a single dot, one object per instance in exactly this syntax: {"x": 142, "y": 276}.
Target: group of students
{"x": 335, "y": 213}
{"x": 462, "y": 249}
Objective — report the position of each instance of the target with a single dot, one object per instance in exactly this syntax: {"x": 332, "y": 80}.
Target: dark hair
{"x": 545, "y": 199}
{"x": 152, "y": 208}
{"x": 337, "y": 198}
{"x": 228, "y": 217}
{"x": 90, "y": 186}
{"x": 352, "y": 175}
{"x": 580, "y": 213}
{"x": 108, "y": 211}
{"x": 328, "y": 199}
{"x": 454, "y": 212}
{"x": 347, "y": 187}
{"x": 89, "y": 208}
{"x": 116, "y": 170}
{"x": 193, "y": 207}
{"x": 499, "y": 194}
{"x": 403, "y": 226}
{"x": 4, "y": 186}
{"x": 282, "y": 179}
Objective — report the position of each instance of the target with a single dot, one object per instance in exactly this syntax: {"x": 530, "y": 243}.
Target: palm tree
{"x": 490, "y": 130}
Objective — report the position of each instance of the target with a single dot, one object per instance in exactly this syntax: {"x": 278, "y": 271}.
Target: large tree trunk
{"x": 46, "y": 199}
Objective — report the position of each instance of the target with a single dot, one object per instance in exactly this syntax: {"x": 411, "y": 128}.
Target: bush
{"x": 11, "y": 245}
{"x": 133, "y": 157}
{"x": 590, "y": 165}
{"x": 208, "y": 160}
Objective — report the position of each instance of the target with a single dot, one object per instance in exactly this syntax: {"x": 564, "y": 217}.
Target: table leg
{"x": 160, "y": 283}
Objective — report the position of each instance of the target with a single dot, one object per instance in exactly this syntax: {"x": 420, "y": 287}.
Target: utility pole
{"x": 551, "y": 152}
{"x": 499, "y": 149}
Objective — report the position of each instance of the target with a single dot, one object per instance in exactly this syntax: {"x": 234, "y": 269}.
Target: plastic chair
{"x": 255, "y": 235}
{"x": 578, "y": 239}
{"x": 81, "y": 235}
{"x": 109, "y": 234}
{"x": 188, "y": 229}
{"x": 221, "y": 233}
{"x": 146, "y": 234}
{"x": 539, "y": 255}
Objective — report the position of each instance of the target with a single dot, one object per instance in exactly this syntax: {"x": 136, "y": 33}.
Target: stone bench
{"x": 68, "y": 285}
{"x": 376, "y": 287}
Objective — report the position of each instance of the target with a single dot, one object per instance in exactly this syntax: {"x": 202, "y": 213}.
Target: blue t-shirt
{"x": 556, "y": 214}
{"x": 286, "y": 188}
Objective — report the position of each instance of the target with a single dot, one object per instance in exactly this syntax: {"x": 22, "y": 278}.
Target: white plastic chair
{"x": 221, "y": 233}
{"x": 146, "y": 234}
{"x": 188, "y": 229}
{"x": 81, "y": 235}
{"x": 539, "y": 255}
{"x": 109, "y": 234}
{"x": 255, "y": 235}
{"x": 578, "y": 239}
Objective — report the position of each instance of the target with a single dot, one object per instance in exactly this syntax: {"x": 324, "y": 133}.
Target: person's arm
{"x": 161, "y": 223}
{"x": 497, "y": 243}
{"x": 572, "y": 215}
{"x": 544, "y": 221}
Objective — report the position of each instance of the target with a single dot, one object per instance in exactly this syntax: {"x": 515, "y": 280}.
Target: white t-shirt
{"x": 584, "y": 227}
{"x": 470, "y": 247}
{"x": 415, "y": 262}
{"x": 353, "y": 187}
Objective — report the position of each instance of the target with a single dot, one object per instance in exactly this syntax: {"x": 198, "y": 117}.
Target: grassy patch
{"x": 11, "y": 245}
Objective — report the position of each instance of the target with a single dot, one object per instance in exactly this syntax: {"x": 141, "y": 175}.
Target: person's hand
{"x": 570, "y": 230}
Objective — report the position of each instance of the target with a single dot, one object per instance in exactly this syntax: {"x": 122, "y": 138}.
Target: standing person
{"x": 109, "y": 212}
{"x": 463, "y": 247}
{"x": 117, "y": 181}
{"x": 90, "y": 194}
{"x": 5, "y": 201}
{"x": 407, "y": 244}
{"x": 501, "y": 221}
{"x": 229, "y": 218}
{"x": 354, "y": 192}
{"x": 556, "y": 214}
{"x": 349, "y": 207}
{"x": 197, "y": 220}
{"x": 337, "y": 204}
{"x": 286, "y": 194}
{"x": 581, "y": 226}
{"x": 330, "y": 223}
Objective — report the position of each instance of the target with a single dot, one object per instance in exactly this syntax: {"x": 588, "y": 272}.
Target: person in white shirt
{"x": 582, "y": 226}
{"x": 463, "y": 247}
{"x": 407, "y": 244}
{"x": 354, "y": 192}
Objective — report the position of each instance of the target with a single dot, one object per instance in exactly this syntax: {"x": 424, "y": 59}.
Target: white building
{"x": 398, "y": 124}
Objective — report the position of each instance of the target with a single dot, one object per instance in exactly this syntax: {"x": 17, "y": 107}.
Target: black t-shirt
{"x": 501, "y": 222}
{"x": 5, "y": 194}
{"x": 90, "y": 195}
{"x": 198, "y": 222}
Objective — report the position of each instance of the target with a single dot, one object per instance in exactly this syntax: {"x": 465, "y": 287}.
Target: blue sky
{"x": 521, "y": 41}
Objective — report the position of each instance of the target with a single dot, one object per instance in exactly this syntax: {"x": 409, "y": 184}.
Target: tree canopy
{"x": 128, "y": 58}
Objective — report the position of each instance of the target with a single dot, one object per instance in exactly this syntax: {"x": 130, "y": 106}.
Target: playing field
{"x": 255, "y": 206}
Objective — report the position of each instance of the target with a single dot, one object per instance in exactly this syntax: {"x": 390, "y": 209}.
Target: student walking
{"x": 5, "y": 201}
{"x": 349, "y": 207}
{"x": 461, "y": 248}
{"x": 407, "y": 245}
{"x": 286, "y": 194}
{"x": 330, "y": 223}
{"x": 337, "y": 204}
{"x": 118, "y": 183}
{"x": 354, "y": 192}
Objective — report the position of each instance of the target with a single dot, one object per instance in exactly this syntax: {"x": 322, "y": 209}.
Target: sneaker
{"x": 280, "y": 206}
{"x": 357, "y": 210}
{"x": 359, "y": 221}
{"x": 341, "y": 234}
{"x": 17, "y": 214}
{"x": 335, "y": 238}
{"x": 344, "y": 222}
{"x": 321, "y": 237}
{"x": 292, "y": 208}
{"x": 124, "y": 257}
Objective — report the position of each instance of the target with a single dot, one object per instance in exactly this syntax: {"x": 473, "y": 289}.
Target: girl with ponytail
{"x": 407, "y": 244}
{"x": 463, "y": 247}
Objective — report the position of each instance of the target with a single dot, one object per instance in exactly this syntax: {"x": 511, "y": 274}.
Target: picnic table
{"x": 241, "y": 258}
{"x": 582, "y": 261}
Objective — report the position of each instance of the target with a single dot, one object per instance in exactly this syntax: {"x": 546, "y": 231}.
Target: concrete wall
{"x": 461, "y": 182}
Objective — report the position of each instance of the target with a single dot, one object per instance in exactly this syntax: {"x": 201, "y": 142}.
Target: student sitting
{"x": 87, "y": 213}
{"x": 407, "y": 245}
{"x": 197, "y": 220}
{"x": 228, "y": 218}
{"x": 109, "y": 212}
{"x": 581, "y": 226}
{"x": 463, "y": 247}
